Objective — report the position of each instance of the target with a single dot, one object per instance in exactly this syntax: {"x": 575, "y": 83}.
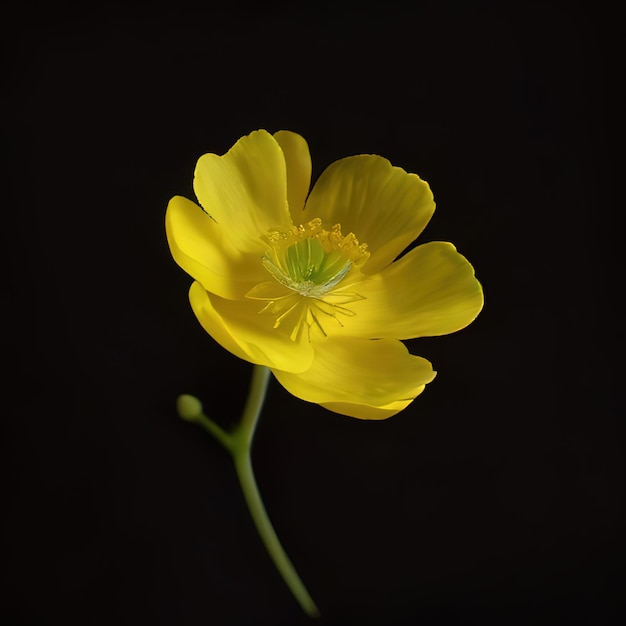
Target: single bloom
{"x": 310, "y": 284}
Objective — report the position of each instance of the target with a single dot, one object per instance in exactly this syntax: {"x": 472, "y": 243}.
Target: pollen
{"x": 309, "y": 266}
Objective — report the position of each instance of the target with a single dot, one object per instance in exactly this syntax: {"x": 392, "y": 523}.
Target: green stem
{"x": 239, "y": 444}
{"x": 283, "y": 564}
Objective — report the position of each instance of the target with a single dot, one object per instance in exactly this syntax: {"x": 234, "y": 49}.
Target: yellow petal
{"x": 238, "y": 327}
{"x": 298, "y": 162}
{"x": 364, "y": 412}
{"x": 245, "y": 191}
{"x": 430, "y": 291}
{"x": 368, "y": 379}
{"x": 385, "y": 207}
{"x": 198, "y": 245}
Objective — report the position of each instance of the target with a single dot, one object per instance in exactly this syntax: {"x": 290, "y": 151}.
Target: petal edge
{"x": 245, "y": 190}
{"x": 366, "y": 379}
{"x": 383, "y": 205}
{"x": 298, "y": 163}
{"x": 430, "y": 291}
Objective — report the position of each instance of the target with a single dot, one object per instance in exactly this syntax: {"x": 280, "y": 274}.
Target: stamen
{"x": 308, "y": 263}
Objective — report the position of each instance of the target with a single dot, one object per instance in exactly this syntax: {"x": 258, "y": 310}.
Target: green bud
{"x": 189, "y": 407}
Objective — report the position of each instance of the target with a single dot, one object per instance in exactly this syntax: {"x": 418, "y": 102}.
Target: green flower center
{"x": 308, "y": 263}
{"x": 305, "y": 267}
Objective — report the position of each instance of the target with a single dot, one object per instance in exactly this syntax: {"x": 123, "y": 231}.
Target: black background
{"x": 496, "y": 498}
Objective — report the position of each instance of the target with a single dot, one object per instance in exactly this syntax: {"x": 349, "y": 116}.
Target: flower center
{"x": 308, "y": 263}
{"x": 305, "y": 267}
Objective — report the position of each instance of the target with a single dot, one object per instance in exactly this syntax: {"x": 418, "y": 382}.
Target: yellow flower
{"x": 310, "y": 286}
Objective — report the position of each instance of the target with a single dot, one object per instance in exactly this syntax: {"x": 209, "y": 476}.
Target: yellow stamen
{"x": 308, "y": 264}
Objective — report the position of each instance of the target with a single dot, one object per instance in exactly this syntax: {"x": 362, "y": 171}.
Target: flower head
{"x": 310, "y": 284}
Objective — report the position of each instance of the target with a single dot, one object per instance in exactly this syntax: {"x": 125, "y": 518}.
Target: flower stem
{"x": 266, "y": 531}
{"x": 239, "y": 444}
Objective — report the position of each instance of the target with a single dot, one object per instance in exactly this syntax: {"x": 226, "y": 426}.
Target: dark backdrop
{"x": 496, "y": 498}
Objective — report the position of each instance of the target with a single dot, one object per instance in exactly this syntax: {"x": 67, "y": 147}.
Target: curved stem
{"x": 239, "y": 444}
{"x": 240, "y": 450}
{"x": 243, "y": 466}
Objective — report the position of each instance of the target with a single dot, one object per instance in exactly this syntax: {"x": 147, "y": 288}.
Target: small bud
{"x": 189, "y": 407}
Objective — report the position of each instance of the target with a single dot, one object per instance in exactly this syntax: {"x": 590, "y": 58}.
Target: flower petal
{"x": 198, "y": 246}
{"x": 238, "y": 327}
{"x": 368, "y": 379}
{"x": 298, "y": 162}
{"x": 384, "y": 206}
{"x": 430, "y": 291}
{"x": 245, "y": 191}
